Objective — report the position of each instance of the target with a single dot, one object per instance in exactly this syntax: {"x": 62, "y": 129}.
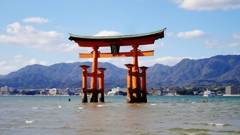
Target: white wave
{"x": 153, "y": 104}
{"x": 216, "y": 124}
{"x": 80, "y": 108}
{"x": 59, "y": 106}
{"x": 190, "y": 134}
{"x": 29, "y": 121}
{"x": 99, "y": 105}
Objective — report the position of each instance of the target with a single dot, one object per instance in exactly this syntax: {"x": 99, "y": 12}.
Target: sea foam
{"x": 99, "y": 105}
{"x": 217, "y": 124}
{"x": 29, "y": 121}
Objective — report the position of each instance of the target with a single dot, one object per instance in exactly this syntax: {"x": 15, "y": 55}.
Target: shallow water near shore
{"x": 186, "y": 115}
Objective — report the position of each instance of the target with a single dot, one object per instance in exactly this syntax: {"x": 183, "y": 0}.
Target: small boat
{"x": 208, "y": 93}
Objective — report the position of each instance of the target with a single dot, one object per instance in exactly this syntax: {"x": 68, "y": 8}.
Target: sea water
{"x": 66, "y": 115}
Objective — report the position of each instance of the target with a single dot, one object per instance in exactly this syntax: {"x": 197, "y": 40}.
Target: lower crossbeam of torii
{"x": 136, "y": 80}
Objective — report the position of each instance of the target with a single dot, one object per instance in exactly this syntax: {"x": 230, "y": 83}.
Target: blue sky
{"x": 36, "y": 32}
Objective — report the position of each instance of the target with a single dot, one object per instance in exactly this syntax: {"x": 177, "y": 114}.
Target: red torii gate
{"x": 136, "y": 91}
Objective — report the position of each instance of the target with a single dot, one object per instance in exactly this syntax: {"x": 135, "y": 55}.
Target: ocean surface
{"x": 174, "y": 115}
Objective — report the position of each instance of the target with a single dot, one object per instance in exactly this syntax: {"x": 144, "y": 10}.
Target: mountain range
{"x": 217, "y": 70}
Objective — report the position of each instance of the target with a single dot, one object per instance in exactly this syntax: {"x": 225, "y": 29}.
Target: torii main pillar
{"x": 136, "y": 81}
{"x": 136, "y": 78}
{"x": 94, "y": 94}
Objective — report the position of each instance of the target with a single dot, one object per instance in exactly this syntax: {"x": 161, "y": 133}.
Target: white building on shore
{"x": 115, "y": 90}
{"x": 52, "y": 91}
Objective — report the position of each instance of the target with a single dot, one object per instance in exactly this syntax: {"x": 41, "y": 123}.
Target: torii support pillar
{"x": 101, "y": 84}
{"x": 84, "y": 83}
{"x": 129, "y": 83}
{"x": 144, "y": 80}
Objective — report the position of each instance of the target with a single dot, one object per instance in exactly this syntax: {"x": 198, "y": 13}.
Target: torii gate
{"x": 136, "y": 86}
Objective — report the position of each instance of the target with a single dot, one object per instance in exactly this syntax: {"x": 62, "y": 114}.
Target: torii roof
{"x": 122, "y": 40}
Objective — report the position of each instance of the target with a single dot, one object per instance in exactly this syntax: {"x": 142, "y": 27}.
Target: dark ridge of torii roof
{"x": 122, "y": 40}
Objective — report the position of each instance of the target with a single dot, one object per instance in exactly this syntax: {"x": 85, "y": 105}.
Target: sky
{"x": 37, "y": 32}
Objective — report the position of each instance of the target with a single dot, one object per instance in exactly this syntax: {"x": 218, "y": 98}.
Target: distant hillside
{"x": 59, "y": 75}
{"x": 209, "y": 71}
{"x": 217, "y": 70}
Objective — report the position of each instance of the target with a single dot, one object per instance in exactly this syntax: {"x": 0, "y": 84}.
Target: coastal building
{"x": 4, "y": 90}
{"x": 52, "y": 91}
{"x": 232, "y": 90}
{"x": 115, "y": 91}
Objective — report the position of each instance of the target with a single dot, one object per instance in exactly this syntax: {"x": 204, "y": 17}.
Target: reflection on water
{"x": 161, "y": 115}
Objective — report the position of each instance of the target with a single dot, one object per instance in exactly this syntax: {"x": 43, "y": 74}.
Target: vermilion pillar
{"x": 101, "y": 84}
{"x": 144, "y": 86}
{"x": 84, "y": 82}
{"x": 136, "y": 78}
{"x": 129, "y": 83}
{"x": 94, "y": 94}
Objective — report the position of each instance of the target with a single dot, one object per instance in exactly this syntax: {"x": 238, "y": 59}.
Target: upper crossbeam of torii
{"x": 136, "y": 90}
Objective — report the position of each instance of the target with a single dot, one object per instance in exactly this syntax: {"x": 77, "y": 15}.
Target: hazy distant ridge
{"x": 215, "y": 70}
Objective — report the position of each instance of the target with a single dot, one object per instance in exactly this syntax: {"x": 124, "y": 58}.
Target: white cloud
{"x": 34, "y": 61}
{"x": 36, "y": 20}
{"x": 6, "y": 69}
{"x": 208, "y": 4}
{"x": 18, "y": 59}
{"x": 17, "y": 62}
{"x": 120, "y": 62}
{"x": 170, "y": 34}
{"x": 191, "y": 34}
{"x": 107, "y": 33}
{"x": 168, "y": 60}
{"x": 236, "y": 36}
{"x": 233, "y": 45}
{"x": 151, "y": 46}
{"x": 220, "y": 44}
{"x": 214, "y": 43}
{"x": 18, "y": 34}
{"x": 236, "y": 53}
{"x": 2, "y": 63}
{"x": 33, "y": 38}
